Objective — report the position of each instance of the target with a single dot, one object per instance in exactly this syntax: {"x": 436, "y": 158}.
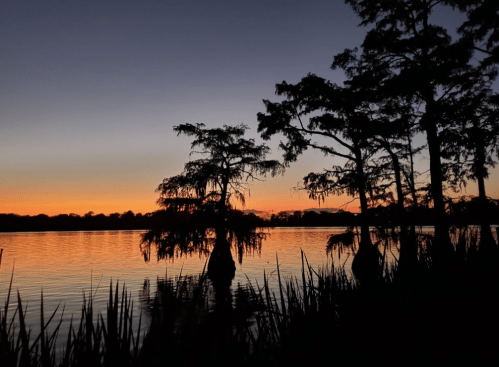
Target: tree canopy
{"x": 229, "y": 161}
{"x": 199, "y": 201}
{"x": 408, "y": 77}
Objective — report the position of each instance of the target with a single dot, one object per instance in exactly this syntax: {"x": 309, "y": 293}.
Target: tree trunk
{"x": 365, "y": 235}
{"x": 444, "y": 247}
{"x": 366, "y": 263}
{"x": 408, "y": 249}
{"x": 221, "y": 265}
{"x": 412, "y": 187}
{"x": 410, "y": 176}
{"x": 487, "y": 242}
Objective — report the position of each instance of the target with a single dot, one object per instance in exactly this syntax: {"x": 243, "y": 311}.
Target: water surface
{"x": 66, "y": 264}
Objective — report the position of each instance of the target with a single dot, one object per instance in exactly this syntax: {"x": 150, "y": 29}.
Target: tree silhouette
{"x": 481, "y": 27}
{"x": 344, "y": 123}
{"x": 423, "y": 65}
{"x": 392, "y": 123}
{"x": 198, "y": 202}
{"x": 473, "y": 143}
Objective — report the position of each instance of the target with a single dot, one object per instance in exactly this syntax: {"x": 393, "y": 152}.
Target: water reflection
{"x": 214, "y": 321}
{"x": 65, "y": 264}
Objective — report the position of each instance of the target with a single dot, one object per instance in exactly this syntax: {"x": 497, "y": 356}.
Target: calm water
{"x": 66, "y": 264}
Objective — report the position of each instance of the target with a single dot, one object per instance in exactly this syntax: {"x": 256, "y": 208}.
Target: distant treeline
{"x": 92, "y": 222}
{"x": 463, "y": 212}
{"x": 459, "y": 213}
{"x": 75, "y": 222}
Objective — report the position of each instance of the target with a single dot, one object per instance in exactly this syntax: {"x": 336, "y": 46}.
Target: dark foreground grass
{"x": 91, "y": 340}
{"x": 323, "y": 317}
{"x": 443, "y": 314}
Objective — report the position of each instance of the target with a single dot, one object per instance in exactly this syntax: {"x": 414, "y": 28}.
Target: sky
{"x": 90, "y": 92}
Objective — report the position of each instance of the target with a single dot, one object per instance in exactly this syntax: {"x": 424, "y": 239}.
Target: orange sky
{"x": 132, "y": 188}
{"x": 91, "y": 92}
{"x": 135, "y": 191}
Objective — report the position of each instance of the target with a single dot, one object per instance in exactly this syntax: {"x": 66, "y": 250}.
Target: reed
{"x": 91, "y": 341}
{"x": 297, "y": 324}
{"x": 431, "y": 318}
{"x": 178, "y": 310}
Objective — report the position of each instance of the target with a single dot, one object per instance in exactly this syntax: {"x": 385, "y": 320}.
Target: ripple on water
{"x": 67, "y": 264}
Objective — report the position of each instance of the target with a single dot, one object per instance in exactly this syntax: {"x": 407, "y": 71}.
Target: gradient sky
{"x": 90, "y": 92}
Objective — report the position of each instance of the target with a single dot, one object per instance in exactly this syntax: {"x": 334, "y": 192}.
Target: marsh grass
{"x": 430, "y": 318}
{"x": 92, "y": 340}
{"x": 321, "y": 317}
{"x": 299, "y": 323}
{"x": 177, "y": 309}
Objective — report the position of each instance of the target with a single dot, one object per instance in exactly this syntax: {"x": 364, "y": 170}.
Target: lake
{"x": 67, "y": 264}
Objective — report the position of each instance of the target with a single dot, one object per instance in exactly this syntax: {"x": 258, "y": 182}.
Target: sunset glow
{"x": 87, "y": 124}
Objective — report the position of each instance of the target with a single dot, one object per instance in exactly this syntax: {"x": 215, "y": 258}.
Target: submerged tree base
{"x": 366, "y": 265}
{"x": 221, "y": 266}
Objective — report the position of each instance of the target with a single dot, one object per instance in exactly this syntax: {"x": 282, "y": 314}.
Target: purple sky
{"x": 90, "y": 91}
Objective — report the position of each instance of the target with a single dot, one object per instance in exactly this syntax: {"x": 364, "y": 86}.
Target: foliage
{"x": 229, "y": 161}
{"x": 411, "y": 58}
{"x": 472, "y": 143}
{"x": 198, "y": 202}
{"x": 481, "y": 25}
